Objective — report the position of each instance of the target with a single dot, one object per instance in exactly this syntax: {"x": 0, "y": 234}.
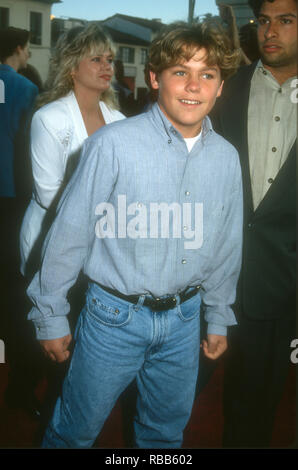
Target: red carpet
{"x": 18, "y": 430}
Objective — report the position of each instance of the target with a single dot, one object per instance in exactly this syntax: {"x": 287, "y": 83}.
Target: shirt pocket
{"x": 109, "y": 314}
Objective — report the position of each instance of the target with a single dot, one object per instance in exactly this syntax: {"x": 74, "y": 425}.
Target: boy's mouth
{"x": 190, "y": 102}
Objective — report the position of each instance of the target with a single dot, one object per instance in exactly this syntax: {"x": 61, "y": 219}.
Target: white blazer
{"x": 57, "y": 134}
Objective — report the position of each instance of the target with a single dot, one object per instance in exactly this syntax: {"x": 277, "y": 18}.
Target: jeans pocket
{"x": 109, "y": 313}
{"x": 190, "y": 309}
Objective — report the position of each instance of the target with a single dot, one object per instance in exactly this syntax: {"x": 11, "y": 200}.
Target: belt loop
{"x": 140, "y": 302}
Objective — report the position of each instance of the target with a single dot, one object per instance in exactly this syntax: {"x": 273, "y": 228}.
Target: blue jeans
{"x": 115, "y": 343}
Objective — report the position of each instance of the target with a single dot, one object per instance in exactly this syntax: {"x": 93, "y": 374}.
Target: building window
{"x": 4, "y": 17}
{"x": 144, "y": 55}
{"x": 127, "y": 55}
{"x": 35, "y": 27}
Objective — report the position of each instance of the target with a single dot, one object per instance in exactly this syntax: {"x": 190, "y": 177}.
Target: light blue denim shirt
{"x": 142, "y": 215}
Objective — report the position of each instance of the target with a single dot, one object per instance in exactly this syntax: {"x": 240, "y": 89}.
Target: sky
{"x": 166, "y": 10}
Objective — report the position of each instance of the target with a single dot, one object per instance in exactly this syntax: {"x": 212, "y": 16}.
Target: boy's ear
{"x": 220, "y": 89}
{"x": 154, "y": 80}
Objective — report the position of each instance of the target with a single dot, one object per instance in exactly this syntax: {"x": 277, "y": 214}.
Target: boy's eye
{"x": 180, "y": 73}
{"x": 208, "y": 76}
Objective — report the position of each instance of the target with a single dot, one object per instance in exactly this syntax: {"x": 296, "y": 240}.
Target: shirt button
{"x": 264, "y": 72}
{"x": 277, "y": 118}
{"x": 184, "y": 261}
{"x": 270, "y": 180}
{"x": 139, "y": 204}
{"x": 274, "y": 149}
{"x": 185, "y": 228}
{"x": 187, "y": 193}
{"x": 280, "y": 90}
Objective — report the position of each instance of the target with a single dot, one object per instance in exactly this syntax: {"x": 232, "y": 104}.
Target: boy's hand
{"x": 215, "y": 346}
{"x": 56, "y": 349}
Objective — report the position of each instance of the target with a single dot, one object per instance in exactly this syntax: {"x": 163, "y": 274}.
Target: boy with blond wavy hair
{"x": 153, "y": 215}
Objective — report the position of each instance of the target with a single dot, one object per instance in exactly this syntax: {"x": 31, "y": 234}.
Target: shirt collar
{"x": 264, "y": 72}
{"x": 267, "y": 75}
{"x": 7, "y": 67}
{"x": 159, "y": 117}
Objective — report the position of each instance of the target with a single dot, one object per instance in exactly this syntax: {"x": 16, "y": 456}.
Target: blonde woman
{"x": 79, "y": 101}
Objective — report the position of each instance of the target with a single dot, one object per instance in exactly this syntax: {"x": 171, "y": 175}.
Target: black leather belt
{"x": 156, "y": 304}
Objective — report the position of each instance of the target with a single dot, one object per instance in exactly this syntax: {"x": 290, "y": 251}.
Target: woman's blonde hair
{"x": 71, "y": 48}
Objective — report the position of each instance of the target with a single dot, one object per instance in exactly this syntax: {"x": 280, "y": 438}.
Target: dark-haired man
{"x": 19, "y": 96}
{"x": 257, "y": 113}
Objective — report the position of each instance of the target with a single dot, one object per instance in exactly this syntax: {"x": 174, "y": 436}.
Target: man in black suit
{"x": 257, "y": 114}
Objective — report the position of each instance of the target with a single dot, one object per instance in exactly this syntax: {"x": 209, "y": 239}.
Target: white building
{"x": 35, "y": 16}
{"x": 133, "y": 37}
